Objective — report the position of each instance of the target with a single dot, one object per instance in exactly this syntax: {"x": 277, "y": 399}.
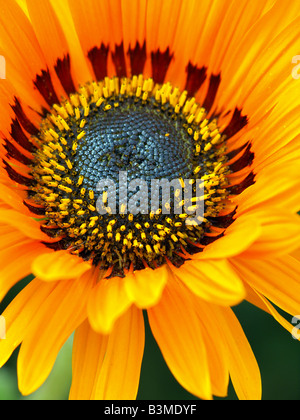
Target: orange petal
{"x": 59, "y": 265}
{"x": 80, "y": 70}
{"x": 61, "y": 313}
{"x": 177, "y": 331}
{"x": 134, "y": 15}
{"x": 47, "y": 30}
{"x": 93, "y": 21}
{"x": 24, "y": 224}
{"x": 18, "y": 260}
{"x": 273, "y": 187}
{"x": 22, "y": 4}
{"x": 20, "y": 313}
{"x": 18, "y": 42}
{"x": 14, "y": 198}
{"x": 50, "y": 36}
{"x": 10, "y": 237}
{"x": 214, "y": 281}
{"x": 246, "y": 57}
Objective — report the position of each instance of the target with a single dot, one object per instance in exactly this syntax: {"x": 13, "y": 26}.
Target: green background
{"x": 277, "y": 353}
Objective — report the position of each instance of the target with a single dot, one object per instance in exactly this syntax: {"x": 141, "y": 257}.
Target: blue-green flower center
{"x": 153, "y": 134}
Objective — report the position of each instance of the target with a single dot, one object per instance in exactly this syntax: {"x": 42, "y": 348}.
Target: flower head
{"x": 149, "y": 162}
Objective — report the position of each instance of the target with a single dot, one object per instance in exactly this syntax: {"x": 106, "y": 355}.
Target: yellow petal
{"x": 216, "y": 347}
{"x": 119, "y": 376}
{"x": 177, "y": 331}
{"x": 59, "y": 265}
{"x": 214, "y": 281}
{"x": 108, "y": 301}
{"x": 280, "y": 234}
{"x": 145, "y": 287}
{"x": 244, "y": 371}
{"x": 89, "y": 349}
{"x": 279, "y": 318}
{"x": 277, "y": 279}
{"x": 237, "y": 238}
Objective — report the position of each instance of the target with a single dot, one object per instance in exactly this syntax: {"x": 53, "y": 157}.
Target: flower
{"x": 191, "y": 90}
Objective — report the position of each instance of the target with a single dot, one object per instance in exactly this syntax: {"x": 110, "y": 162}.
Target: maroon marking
{"x": 119, "y": 60}
{"x": 138, "y": 57}
{"x": 245, "y": 160}
{"x": 239, "y": 188}
{"x": 98, "y": 58}
{"x": 23, "y": 119}
{"x": 63, "y": 71}
{"x": 196, "y": 76}
{"x": 14, "y": 153}
{"x": 40, "y": 211}
{"x": 51, "y": 232}
{"x": 191, "y": 249}
{"x": 207, "y": 240}
{"x": 44, "y": 85}
{"x": 214, "y": 84}
{"x": 236, "y": 124}
{"x": 233, "y": 153}
{"x": 56, "y": 246}
{"x": 160, "y": 64}
{"x": 223, "y": 221}
{"x": 20, "y": 137}
{"x": 113, "y": 272}
{"x": 15, "y": 176}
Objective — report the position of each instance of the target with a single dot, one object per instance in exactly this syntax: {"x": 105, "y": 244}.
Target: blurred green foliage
{"x": 277, "y": 353}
